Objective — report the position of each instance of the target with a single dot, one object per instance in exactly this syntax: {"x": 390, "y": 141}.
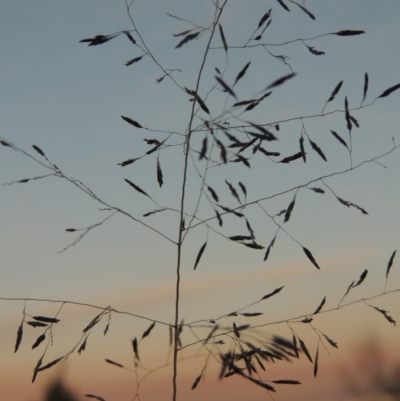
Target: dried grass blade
{"x": 186, "y": 39}
{"x": 199, "y": 255}
{"x": 264, "y": 18}
{"x": 295, "y": 349}
{"x": 311, "y": 15}
{"x": 39, "y": 340}
{"x": 317, "y": 190}
{"x": 280, "y": 81}
{"x": 362, "y": 278}
{"x": 276, "y": 291}
{"x": 153, "y": 212}
{"x": 386, "y": 315}
{"x": 235, "y": 330}
{"x": 330, "y": 341}
{"x": 40, "y": 151}
{"x": 312, "y": 50}
{"x": 203, "y": 148}
{"x": 289, "y": 210}
{"x": 241, "y": 74}
{"x": 148, "y": 331}
{"x": 221, "y": 31}
{"x": 37, "y": 324}
{"x": 132, "y": 122}
{"x": 347, "y": 114}
{"x": 82, "y": 347}
{"x": 130, "y": 37}
{"x": 311, "y": 257}
{"x": 316, "y": 363}
{"x": 213, "y": 194}
{"x": 283, "y": 5}
{"x": 35, "y": 371}
{"x": 243, "y": 188}
{"x": 320, "y": 306}
{"x": 247, "y": 314}
{"x": 339, "y": 138}
{"x": 134, "y": 60}
{"x": 303, "y": 153}
{"x": 127, "y": 162}
{"x": 94, "y": 321}
{"x": 50, "y": 364}
{"x": 387, "y": 92}
{"x": 135, "y": 348}
{"x": 366, "y": 80}
{"x": 46, "y": 319}
{"x": 390, "y": 263}
{"x": 19, "y": 336}
{"x": 317, "y": 149}
{"x": 96, "y": 397}
{"x": 136, "y": 187}
{"x": 305, "y": 350}
{"x": 349, "y": 32}
{"x": 114, "y": 363}
{"x": 159, "y": 173}
{"x": 197, "y": 381}
{"x": 225, "y": 86}
{"x": 335, "y": 91}
{"x": 286, "y": 381}
{"x": 233, "y": 191}
{"x": 289, "y": 159}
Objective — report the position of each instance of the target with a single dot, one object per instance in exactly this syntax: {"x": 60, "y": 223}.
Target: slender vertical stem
{"x": 180, "y": 237}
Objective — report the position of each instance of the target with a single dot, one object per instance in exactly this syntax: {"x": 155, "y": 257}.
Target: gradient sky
{"x": 67, "y": 99}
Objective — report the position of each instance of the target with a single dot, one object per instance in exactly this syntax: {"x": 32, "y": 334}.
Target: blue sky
{"x": 67, "y": 99}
